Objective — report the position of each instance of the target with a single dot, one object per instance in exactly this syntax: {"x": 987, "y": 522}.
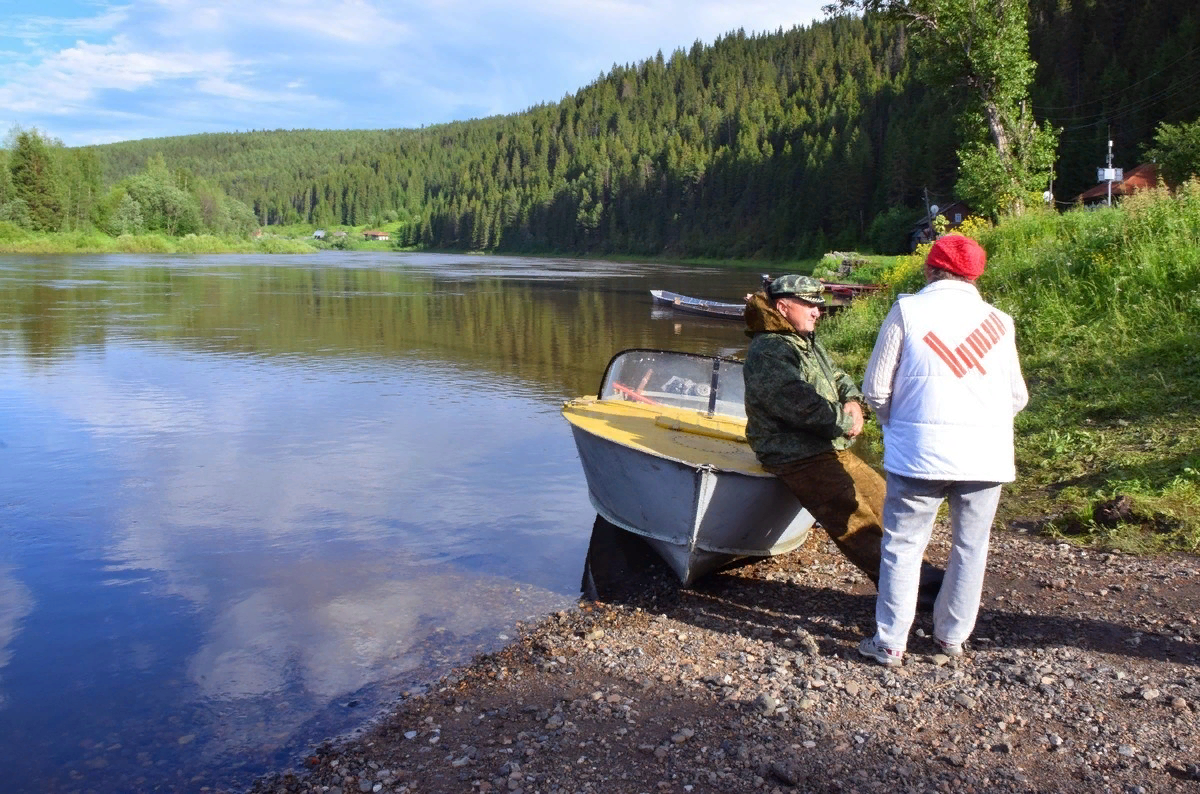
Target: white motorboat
{"x": 664, "y": 451}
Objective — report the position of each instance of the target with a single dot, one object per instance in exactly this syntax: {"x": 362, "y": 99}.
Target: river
{"x": 247, "y": 501}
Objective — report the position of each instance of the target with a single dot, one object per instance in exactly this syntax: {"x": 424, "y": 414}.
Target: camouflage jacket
{"x": 794, "y": 391}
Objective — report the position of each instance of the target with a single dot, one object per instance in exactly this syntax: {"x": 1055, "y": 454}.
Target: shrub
{"x": 276, "y": 245}
{"x": 201, "y": 244}
{"x": 889, "y": 231}
{"x": 143, "y": 244}
{"x": 10, "y": 231}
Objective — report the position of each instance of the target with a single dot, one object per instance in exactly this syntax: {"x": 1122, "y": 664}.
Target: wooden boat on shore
{"x": 729, "y": 311}
{"x": 848, "y": 291}
{"x": 664, "y": 452}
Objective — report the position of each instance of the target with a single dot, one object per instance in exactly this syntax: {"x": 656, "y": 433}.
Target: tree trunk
{"x": 1004, "y": 149}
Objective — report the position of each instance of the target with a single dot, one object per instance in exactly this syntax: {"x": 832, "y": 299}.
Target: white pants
{"x": 909, "y": 511}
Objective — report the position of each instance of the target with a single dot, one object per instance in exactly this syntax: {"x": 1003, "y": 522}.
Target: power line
{"x": 1100, "y": 122}
{"x": 1183, "y": 83}
{"x": 1129, "y": 87}
{"x": 1141, "y": 104}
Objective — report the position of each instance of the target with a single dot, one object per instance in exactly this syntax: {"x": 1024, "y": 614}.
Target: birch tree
{"x": 977, "y": 52}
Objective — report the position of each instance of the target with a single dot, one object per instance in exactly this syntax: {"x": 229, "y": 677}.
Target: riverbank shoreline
{"x": 1083, "y": 674}
{"x": 68, "y": 243}
{"x": 90, "y": 243}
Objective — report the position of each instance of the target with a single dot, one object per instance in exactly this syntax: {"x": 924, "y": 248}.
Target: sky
{"x": 89, "y": 71}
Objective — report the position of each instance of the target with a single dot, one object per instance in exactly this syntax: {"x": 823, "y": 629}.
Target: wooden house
{"x": 922, "y": 232}
{"x": 1140, "y": 178}
{"x": 374, "y": 234}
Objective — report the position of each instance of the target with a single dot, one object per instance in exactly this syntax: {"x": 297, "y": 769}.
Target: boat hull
{"x": 698, "y": 517}
{"x": 705, "y": 308}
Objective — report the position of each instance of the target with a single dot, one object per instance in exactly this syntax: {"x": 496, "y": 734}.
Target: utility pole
{"x": 928, "y": 214}
{"x": 1109, "y": 174}
{"x": 1108, "y": 171}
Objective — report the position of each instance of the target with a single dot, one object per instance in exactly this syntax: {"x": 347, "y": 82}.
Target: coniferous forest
{"x": 779, "y": 145}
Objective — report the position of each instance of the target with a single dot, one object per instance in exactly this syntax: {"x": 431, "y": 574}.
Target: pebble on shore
{"x": 750, "y": 682}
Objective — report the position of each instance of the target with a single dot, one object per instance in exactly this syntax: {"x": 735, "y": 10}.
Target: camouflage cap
{"x": 806, "y": 288}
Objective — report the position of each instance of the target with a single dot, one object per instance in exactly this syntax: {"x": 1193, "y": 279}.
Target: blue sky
{"x": 88, "y": 71}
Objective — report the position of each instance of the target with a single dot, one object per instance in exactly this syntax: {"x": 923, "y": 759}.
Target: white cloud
{"x": 353, "y": 21}
{"x": 78, "y": 73}
{"x": 164, "y": 67}
{"x": 219, "y": 86}
{"x": 339, "y": 630}
{"x": 679, "y": 21}
{"x": 348, "y": 21}
{"x": 16, "y": 603}
{"x": 38, "y": 27}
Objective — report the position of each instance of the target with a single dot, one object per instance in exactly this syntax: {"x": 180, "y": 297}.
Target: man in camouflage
{"x": 802, "y": 415}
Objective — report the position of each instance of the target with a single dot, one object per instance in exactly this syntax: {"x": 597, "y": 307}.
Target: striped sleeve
{"x": 881, "y": 369}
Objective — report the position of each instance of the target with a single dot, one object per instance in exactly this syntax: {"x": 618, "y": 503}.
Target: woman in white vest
{"x": 945, "y": 383}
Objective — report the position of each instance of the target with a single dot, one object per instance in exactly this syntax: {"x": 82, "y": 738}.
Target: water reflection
{"x": 337, "y": 639}
{"x": 621, "y": 567}
{"x": 240, "y": 495}
{"x": 569, "y": 315}
{"x": 15, "y": 604}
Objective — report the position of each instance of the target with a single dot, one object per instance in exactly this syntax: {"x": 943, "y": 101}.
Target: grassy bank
{"x": 14, "y": 240}
{"x": 1107, "y": 308}
{"x": 298, "y": 239}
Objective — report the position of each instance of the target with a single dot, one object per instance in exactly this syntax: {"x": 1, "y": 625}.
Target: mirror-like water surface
{"x": 244, "y": 501}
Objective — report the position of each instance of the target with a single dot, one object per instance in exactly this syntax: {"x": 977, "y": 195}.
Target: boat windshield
{"x": 658, "y": 377}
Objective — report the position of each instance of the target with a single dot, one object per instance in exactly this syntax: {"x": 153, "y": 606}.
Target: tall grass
{"x": 1107, "y": 309}
{"x": 275, "y": 245}
{"x": 13, "y": 239}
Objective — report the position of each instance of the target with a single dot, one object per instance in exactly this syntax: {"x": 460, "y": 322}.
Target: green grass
{"x": 16, "y": 240}
{"x": 1107, "y": 308}
{"x": 866, "y": 268}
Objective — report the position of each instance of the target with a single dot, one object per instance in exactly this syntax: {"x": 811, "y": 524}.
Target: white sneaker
{"x": 885, "y": 656}
{"x": 953, "y": 650}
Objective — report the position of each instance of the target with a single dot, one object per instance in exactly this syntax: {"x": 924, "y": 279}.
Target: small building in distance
{"x": 922, "y": 232}
{"x": 374, "y": 234}
{"x": 1141, "y": 178}
{"x": 319, "y": 234}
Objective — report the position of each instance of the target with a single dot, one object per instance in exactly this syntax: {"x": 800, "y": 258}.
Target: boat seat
{"x": 700, "y": 426}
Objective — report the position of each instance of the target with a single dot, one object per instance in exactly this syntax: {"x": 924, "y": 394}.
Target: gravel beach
{"x": 1083, "y": 675}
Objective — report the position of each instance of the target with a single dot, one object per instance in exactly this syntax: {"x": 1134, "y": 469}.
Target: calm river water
{"x": 246, "y": 501}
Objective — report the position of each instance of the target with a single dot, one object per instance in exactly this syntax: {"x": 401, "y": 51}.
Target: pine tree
{"x": 35, "y": 180}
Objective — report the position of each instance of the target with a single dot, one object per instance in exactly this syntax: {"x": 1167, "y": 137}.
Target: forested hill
{"x": 780, "y": 144}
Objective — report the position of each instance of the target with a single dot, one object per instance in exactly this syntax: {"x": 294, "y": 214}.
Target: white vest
{"x": 952, "y": 400}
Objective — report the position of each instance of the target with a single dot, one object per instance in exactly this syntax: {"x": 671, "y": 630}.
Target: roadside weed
{"x": 1107, "y": 307}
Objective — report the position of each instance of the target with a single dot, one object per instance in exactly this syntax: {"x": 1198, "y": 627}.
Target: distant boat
{"x": 841, "y": 295}
{"x": 663, "y": 448}
{"x": 728, "y": 311}
{"x": 850, "y": 290}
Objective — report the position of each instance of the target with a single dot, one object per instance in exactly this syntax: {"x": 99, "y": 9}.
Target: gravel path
{"x": 1083, "y": 675}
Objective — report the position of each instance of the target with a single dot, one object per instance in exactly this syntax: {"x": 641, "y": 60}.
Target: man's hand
{"x": 855, "y": 410}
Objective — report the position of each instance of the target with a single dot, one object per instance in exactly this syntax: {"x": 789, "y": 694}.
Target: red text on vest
{"x": 969, "y": 355}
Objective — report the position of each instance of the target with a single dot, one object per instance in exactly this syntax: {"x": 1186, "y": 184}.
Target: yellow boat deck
{"x": 680, "y": 434}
